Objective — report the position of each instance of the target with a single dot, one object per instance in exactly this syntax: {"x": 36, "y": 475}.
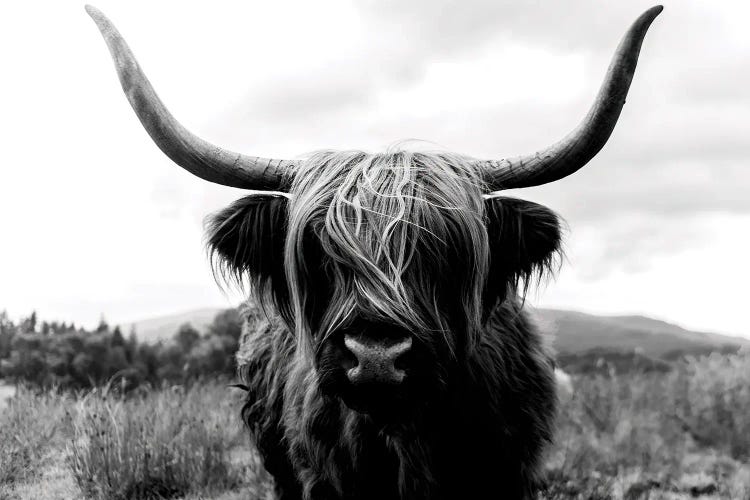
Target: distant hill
{"x": 164, "y": 327}
{"x": 576, "y": 332}
{"x": 572, "y": 331}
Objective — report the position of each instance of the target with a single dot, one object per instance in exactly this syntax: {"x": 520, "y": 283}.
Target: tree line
{"x": 55, "y": 354}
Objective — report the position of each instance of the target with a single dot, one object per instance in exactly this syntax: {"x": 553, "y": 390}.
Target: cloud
{"x": 450, "y": 27}
{"x": 632, "y": 243}
{"x": 324, "y": 90}
{"x": 500, "y": 78}
{"x": 699, "y": 283}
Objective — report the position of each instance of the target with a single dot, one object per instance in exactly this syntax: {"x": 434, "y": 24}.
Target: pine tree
{"x": 117, "y": 337}
{"x": 103, "y": 326}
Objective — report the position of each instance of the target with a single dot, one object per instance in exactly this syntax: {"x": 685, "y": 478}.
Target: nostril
{"x": 403, "y": 347}
{"x": 347, "y": 358}
{"x": 402, "y": 354}
{"x": 403, "y": 361}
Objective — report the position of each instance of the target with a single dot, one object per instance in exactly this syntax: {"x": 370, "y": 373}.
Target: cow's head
{"x": 386, "y": 266}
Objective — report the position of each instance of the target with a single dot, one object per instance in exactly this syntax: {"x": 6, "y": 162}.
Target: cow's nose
{"x": 376, "y": 359}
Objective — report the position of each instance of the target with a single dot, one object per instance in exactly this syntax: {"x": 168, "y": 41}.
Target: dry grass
{"x": 675, "y": 436}
{"x": 167, "y": 443}
{"x": 161, "y": 444}
{"x": 31, "y": 426}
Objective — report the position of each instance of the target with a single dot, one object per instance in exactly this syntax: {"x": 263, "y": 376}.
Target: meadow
{"x": 675, "y": 435}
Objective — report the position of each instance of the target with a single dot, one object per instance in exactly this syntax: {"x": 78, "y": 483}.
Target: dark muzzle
{"x": 378, "y": 361}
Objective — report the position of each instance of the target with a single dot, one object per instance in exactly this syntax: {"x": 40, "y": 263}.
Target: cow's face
{"x": 384, "y": 265}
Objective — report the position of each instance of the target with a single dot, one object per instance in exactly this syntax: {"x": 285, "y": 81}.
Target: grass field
{"x": 684, "y": 434}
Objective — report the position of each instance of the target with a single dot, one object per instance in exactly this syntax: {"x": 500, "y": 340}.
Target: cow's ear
{"x": 524, "y": 238}
{"x": 246, "y": 243}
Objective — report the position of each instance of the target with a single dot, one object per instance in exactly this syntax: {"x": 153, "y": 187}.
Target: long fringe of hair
{"x": 386, "y": 224}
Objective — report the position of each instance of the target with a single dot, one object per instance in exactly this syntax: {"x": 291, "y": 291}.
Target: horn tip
{"x": 98, "y": 16}
{"x": 653, "y": 12}
{"x": 641, "y": 25}
{"x": 92, "y": 11}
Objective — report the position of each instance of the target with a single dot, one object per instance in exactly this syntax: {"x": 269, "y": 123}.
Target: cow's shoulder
{"x": 265, "y": 341}
{"x": 264, "y": 353}
{"x": 508, "y": 394}
{"x": 263, "y": 361}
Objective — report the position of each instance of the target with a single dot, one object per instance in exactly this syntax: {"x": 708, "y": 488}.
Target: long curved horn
{"x": 584, "y": 142}
{"x": 189, "y": 151}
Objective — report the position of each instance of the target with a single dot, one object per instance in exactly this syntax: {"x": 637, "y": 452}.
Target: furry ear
{"x": 525, "y": 241}
{"x": 246, "y": 244}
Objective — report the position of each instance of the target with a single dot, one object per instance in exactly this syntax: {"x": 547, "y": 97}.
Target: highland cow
{"x": 395, "y": 360}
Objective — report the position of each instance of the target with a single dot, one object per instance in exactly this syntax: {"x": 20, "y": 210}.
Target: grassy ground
{"x": 681, "y": 435}
{"x": 165, "y": 443}
{"x": 684, "y": 434}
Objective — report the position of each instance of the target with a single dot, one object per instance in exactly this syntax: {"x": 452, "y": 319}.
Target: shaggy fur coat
{"x": 481, "y": 438}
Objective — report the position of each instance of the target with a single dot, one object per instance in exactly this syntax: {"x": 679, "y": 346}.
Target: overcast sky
{"x": 95, "y": 220}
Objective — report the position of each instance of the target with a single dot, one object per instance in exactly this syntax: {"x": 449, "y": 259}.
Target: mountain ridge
{"x": 570, "y": 331}
{"x": 576, "y": 332}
